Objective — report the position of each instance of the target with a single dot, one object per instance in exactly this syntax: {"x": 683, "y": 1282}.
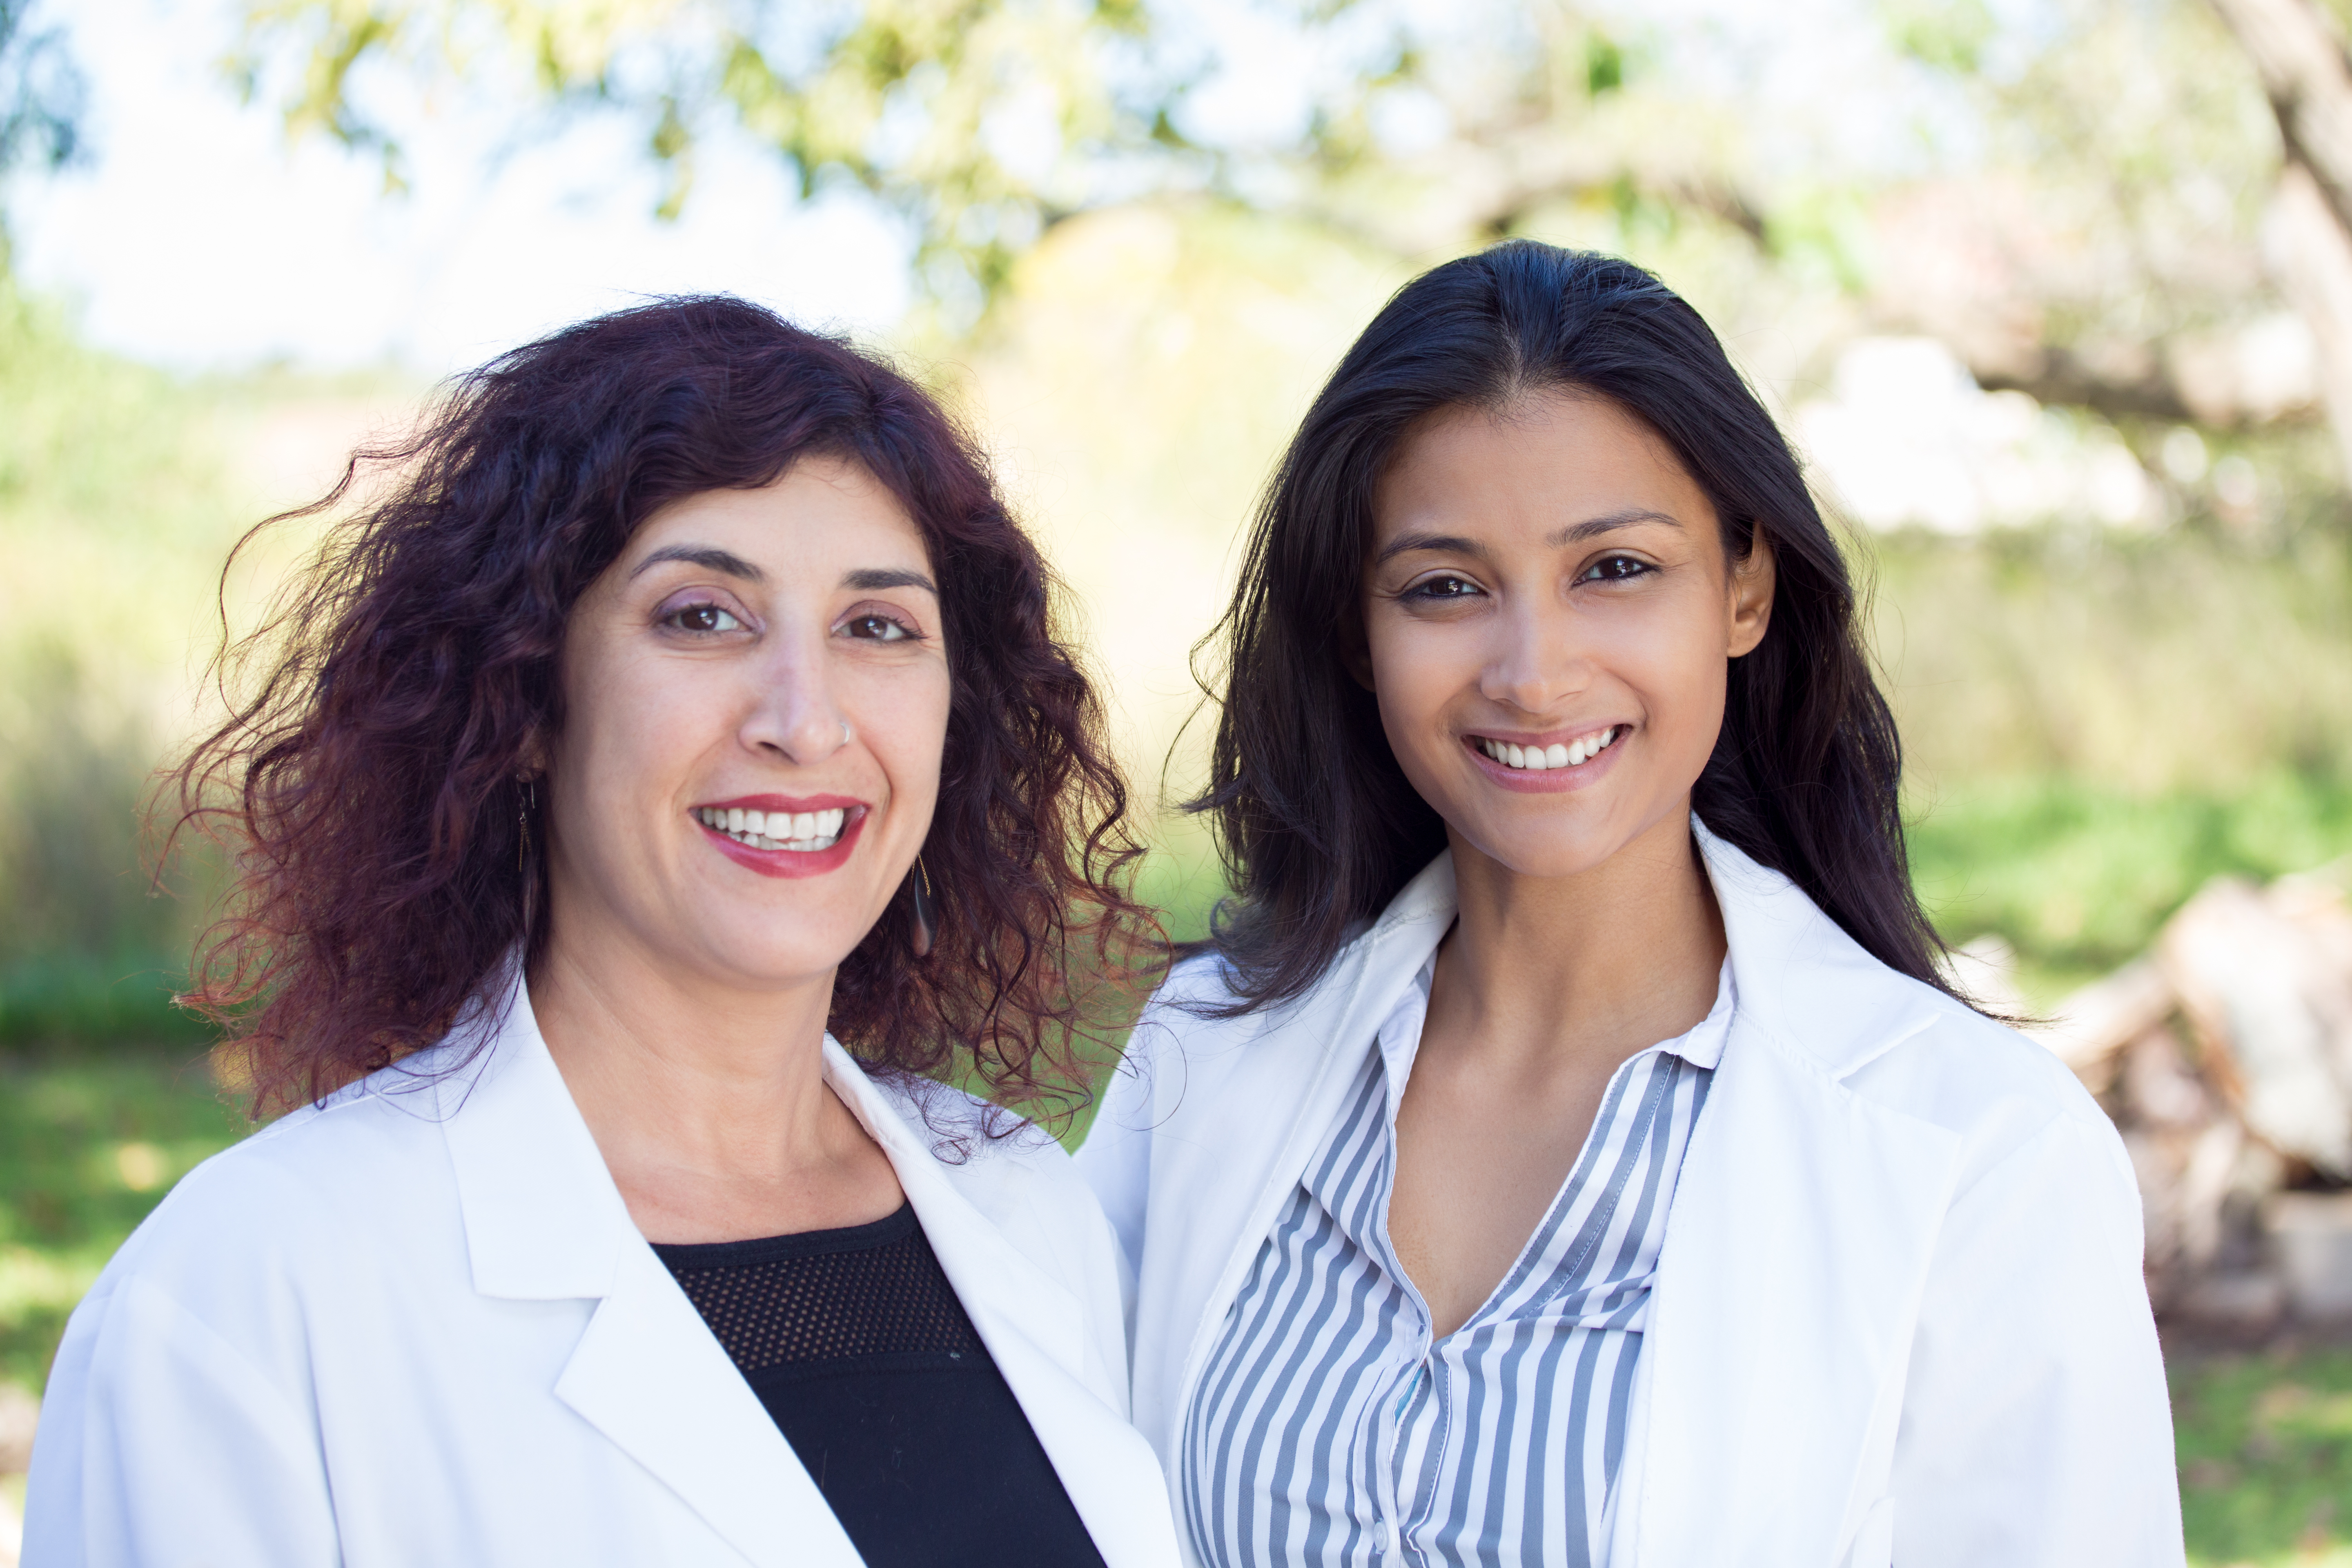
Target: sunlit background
{"x": 2064, "y": 335}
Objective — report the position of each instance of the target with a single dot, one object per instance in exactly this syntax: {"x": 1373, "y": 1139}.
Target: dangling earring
{"x": 523, "y": 867}
{"x": 927, "y": 914}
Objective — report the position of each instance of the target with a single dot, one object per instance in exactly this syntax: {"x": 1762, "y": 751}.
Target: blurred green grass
{"x": 2076, "y": 876}
{"x": 2266, "y": 1445}
{"x": 89, "y": 1143}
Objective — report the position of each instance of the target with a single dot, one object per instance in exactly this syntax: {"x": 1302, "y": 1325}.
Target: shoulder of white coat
{"x": 1199, "y": 1012}
{"x": 285, "y": 1202}
{"x": 1198, "y": 988}
{"x": 1977, "y": 1077}
{"x": 1019, "y": 1179}
{"x": 991, "y": 1154}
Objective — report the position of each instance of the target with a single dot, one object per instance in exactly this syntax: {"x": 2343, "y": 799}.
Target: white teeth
{"x": 1536, "y": 759}
{"x": 802, "y": 832}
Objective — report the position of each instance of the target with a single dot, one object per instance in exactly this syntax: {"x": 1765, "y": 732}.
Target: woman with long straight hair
{"x": 1573, "y": 1149}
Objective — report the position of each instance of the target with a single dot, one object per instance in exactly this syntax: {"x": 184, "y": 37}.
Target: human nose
{"x": 797, "y": 714}
{"x": 1537, "y": 660}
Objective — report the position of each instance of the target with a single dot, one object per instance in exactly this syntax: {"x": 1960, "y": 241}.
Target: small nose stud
{"x": 845, "y": 731}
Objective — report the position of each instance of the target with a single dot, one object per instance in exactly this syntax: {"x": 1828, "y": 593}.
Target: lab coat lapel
{"x": 1035, "y": 1330}
{"x": 1795, "y": 1256}
{"x": 650, "y": 1377}
{"x": 1293, "y": 1075}
{"x": 544, "y": 1222}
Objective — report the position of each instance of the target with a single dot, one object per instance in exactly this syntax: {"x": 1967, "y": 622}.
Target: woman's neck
{"x": 1602, "y": 963}
{"x": 709, "y": 1102}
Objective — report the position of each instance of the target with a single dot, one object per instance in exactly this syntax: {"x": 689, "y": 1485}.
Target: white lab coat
{"x": 1898, "y": 1313}
{"x": 417, "y": 1327}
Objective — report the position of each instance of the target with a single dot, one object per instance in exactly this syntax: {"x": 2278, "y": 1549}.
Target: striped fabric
{"x": 1328, "y": 1429}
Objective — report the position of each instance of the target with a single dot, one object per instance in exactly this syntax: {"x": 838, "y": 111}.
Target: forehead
{"x": 1541, "y": 460}
{"x": 819, "y": 509}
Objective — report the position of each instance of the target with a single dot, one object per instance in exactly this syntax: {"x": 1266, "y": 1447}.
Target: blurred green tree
{"x": 41, "y": 98}
{"x": 982, "y": 124}
{"x": 979, "y": 123}
{"x": 2091, "y": 232}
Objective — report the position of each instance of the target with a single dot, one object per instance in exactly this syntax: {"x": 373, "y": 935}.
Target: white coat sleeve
{"x": 162, "y": 1446}
{"x": 2036, "y": 1429}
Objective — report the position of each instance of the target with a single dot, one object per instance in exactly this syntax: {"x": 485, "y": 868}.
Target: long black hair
{"x": 1315, "y": 822}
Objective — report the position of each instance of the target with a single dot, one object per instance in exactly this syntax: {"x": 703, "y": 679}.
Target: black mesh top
{"x": 857, "y": 1345}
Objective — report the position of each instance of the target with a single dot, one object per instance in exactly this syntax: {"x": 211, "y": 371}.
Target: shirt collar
{"x": 1398, "y": 1039}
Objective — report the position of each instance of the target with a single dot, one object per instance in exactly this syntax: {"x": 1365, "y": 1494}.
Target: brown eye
{"x": 1443, "y": 588}
{"x": 876, "y": 628}
{"x": 702, "y": 618}
{"x": 1615, "y": 569}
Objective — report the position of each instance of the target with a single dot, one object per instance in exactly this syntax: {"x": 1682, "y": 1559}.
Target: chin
{"x": 1538, "y": 854}
{"x": 1541, "y": 849}
{"x": 773, "y": 959}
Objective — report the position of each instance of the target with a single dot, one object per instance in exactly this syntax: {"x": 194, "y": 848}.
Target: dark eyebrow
{"x": 1608, "y": 522}
{"x": 1574, "y": 534}
{"x": 704, "y": 555}
{"x": 875, "y": 579}
{"x": 1451, "y": 543}
{"x": 870, "y": 580}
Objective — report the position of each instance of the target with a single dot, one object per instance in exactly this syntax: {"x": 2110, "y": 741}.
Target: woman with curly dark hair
{"x": 644, "y": 802}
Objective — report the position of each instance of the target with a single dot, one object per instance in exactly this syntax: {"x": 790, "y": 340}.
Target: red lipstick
{"x": 785, "y": 862}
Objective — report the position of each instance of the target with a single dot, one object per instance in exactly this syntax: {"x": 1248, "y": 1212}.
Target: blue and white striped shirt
{"x": 1329, "y": 1429}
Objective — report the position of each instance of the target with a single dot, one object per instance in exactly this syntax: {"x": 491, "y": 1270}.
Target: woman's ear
{"x": 1753, "y": 578}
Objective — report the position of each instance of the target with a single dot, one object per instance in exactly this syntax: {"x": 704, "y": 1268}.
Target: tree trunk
{"x": 2299, "y": 54}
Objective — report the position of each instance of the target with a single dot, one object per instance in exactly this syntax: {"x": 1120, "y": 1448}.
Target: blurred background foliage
{"x": 2056, "y": 313}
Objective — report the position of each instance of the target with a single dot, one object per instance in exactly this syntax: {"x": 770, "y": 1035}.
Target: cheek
{"x": 1417, "y": 669}
{"x": 901, "y": 716}
{"x": 1419, "y": 673}
{"x": 1677, "y": 663}
{"x": 632, "y": 725}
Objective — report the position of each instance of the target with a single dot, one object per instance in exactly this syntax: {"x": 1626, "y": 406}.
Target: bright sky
{"x": 197, "y": 238}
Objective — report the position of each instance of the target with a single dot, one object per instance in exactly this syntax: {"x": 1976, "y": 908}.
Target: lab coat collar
{"x": 544, "y": 1221}
{"x": 1799, "y": 977}
{"x": 1785, "y": 956}
{"x": 1733, "y": 1411}
{"x": 1028, "y": 1320}
{"x": 1036, "y": 1330}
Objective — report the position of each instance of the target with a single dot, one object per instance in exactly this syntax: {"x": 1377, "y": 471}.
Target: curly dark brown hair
{"x": 366, "y": 779}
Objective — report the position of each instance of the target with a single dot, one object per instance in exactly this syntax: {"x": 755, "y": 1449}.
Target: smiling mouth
{"x": 798, "y": 832}
{"x": 1539, "y": 759}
